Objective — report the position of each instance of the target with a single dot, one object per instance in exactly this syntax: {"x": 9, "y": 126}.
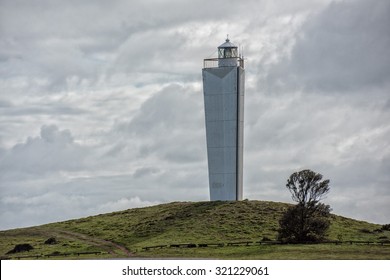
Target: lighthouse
{"x": 223, "y": 90}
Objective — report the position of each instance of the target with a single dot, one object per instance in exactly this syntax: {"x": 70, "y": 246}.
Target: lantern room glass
{"x": 227, "y": 52}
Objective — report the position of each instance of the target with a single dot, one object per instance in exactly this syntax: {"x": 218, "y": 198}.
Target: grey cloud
{"x": 53, "y": 150}
{"x": 5, "y": 104}
{"x": 174, "y": 107}
{"x": 345, "y": 47}
{"x": 55, "y": 41}
{"x": 145, "y": 171}
{"x": 169, "y": 125}
{"x": 54, "y": 109}
{"x": 354, "y": 191}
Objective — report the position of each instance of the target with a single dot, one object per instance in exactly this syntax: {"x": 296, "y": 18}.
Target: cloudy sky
{"x": 101, "y": 103}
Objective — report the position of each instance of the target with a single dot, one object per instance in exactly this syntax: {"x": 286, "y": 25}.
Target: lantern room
{"x": 227, "y": 54}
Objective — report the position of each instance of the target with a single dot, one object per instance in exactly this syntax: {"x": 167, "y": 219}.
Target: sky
{"x": 101, "y": 103}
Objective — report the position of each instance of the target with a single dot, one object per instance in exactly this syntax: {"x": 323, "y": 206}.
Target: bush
{"x": 21, "y": 248}
{"x": 300, "y": 224}
{"x": 51, "y": 241}
{"x": 364, "y": 230}
{"x": 386, "y": 227}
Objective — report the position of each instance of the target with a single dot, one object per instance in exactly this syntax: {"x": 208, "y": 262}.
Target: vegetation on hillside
{"x": 124, "y": 233}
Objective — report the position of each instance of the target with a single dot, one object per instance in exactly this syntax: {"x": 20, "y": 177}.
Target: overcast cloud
{"x": 101, "y": 105}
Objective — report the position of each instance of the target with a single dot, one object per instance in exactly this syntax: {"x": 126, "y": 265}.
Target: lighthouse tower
{"x": 223, "y": 89}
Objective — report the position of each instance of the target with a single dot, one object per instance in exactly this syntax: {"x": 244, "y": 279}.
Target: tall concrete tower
{"x": 223, "y": 89}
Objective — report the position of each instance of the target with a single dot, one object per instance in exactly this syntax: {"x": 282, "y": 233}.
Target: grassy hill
{"x": 125, "y": 233}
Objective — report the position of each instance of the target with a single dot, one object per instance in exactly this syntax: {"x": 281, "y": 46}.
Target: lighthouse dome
{"x": 227, "y": 44}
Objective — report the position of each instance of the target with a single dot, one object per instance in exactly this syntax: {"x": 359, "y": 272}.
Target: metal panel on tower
{"x": 223, "y": 88}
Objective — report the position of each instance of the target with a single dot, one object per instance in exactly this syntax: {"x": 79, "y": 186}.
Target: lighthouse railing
{"x": 213, "y": 62}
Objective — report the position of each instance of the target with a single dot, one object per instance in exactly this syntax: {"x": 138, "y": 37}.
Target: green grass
{"x": 37, "y": 237}
{"x": 279, "y": 252}
{"x": 195, "y": 222}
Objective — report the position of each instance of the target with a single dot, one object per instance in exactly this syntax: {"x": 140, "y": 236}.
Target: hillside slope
{"x": 120, "y": 233}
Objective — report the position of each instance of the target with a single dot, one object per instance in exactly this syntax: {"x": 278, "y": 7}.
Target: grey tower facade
{"x": 223, "y": 89}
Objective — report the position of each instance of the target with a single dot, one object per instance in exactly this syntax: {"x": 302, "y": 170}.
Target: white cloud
{"x": 123, "y": 204}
